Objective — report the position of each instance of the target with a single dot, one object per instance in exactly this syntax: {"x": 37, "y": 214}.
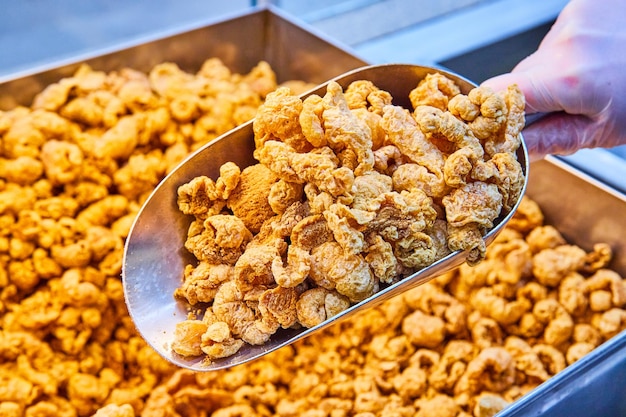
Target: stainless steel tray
{"x": 593, "y": 386}
{"x": 586, "y": 212}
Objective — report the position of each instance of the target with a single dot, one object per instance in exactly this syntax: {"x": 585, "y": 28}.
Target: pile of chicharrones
{"x": 351, "y": 193}
{"x": 464, "y": 344}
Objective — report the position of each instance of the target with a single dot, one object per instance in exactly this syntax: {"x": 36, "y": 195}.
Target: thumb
{"x": 538, "y": 97}
{"x": 501, "y": 82}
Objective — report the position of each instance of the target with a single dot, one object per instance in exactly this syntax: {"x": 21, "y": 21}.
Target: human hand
{"x": 578, "y": 75}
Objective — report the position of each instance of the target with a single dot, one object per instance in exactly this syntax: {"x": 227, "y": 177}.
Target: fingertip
{"x": 537, "y": 96}
{"x": 521, "y": 79}
{"x": 499, "y": 82}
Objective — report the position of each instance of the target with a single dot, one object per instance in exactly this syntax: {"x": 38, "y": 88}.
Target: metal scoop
{"x": 154, "y": 256}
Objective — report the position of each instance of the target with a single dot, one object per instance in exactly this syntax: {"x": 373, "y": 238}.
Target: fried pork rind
{"x": 75, "y": 168}
{"x": 515, "y": 103}
{"x": 279, "y": 120}
{"x": 551, "y": 265}
{"x": 527, "y": 217}
{"x": 488, "y": 405}
{"x": 492, "y": 370}
{"x": 69, "y": 348}
{"x": 230, "y": 307}
{"x": 344, "y": 132}
{"x": 363, "y": 94}
{"x": 203, "y": 197}
{"x": 606, "y": 290}
{"x": 470, "y": 210}
{"x": 404, "y": 133}
{"x": 465, "y": 149}
{"x": 188, "y": 337}
{"x": 351, "y": 193}
{"x": 201, "y": 282}
{"x": 318, "y": 305}
{"x": 250, "y": 199}
{"x": 434, "y": 90}
{"x": 318, "y": 168}
{"x": 347, "y": 273}
{"x": 221, "y": 238}
{"x": 504, "y": 170}
{"x": 311, "y": 120}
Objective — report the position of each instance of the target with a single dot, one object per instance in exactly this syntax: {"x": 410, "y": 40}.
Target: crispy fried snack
{"x": 434, "y": 90}
{"x": 351, "y": 193}
{"x": 410, "y": 141}
{"x": 75, "y": 166}
{"x": 69, "y": 348}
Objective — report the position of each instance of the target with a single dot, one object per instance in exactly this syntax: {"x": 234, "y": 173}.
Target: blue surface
{"x": 35, "y": 32}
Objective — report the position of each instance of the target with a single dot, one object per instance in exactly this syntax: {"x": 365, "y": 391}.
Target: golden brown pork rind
{"x": 377, "y": 363}
{"x": 379, "y": 192}
{"x": 75, "y": 167}
{"x": 249, "y": 200}
{"x": 434, "y": 90}
{"x": 69, "y": 348}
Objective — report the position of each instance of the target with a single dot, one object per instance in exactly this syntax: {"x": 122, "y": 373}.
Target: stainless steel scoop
{"x": 154, "y": 256}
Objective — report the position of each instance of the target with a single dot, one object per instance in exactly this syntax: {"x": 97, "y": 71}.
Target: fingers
{"x": 560, "y": 134}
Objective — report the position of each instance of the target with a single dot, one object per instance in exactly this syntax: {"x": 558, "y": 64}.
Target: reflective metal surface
{"x": 586, "y": 211}
{"x": 593, "y": 386}
{"x": 155, "y": 257}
